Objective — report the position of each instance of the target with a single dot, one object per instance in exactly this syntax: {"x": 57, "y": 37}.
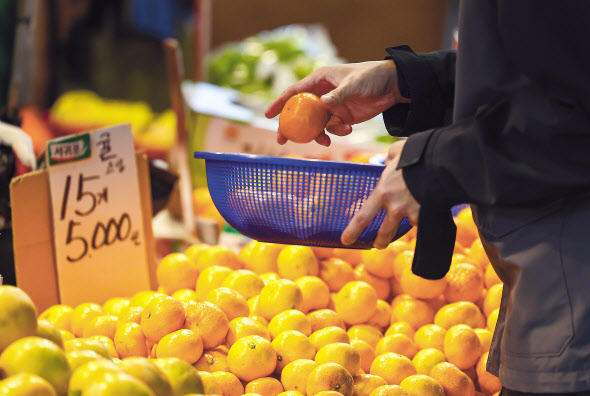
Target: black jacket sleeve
{"x": 429, "y": 81}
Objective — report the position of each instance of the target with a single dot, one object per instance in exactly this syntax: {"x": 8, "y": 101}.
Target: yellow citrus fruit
{"x": 162, "y": 316}
{"x": 371, "y": 335}
{"x": 212, "y": 360}
{"x": 401, "y": 262}
{"x": 82, "y": 314}
{"x": 81, "y": 344}
{"x": 207, "y": 320}
{"x": 379, "y": 262}
{"x": 422, "y": 385}
{"x": 356, "y": 302}
{"x": 488, "y": 382}
{"x": 253, "y": 306}
{"x": 185, "y": 295}
{"x": 246, "y": 252}
{"x": 297, "y": 261}
{"x": 401, "y": 327}
{"x": 79, "y": 358}
{"x": 230, "y": 301}
{"x": 466, "y": 229}
{"x": 18, "y": 315}
{"x": 26, "y": 384}
{"x": 290, "y": 319}
{"x": 461, "y": 312}
{"x": 493, "y": 298}
{"x": 291, "y": 345}
{"x": 426, "y": 359}
{"x": 89, "y": 372}
{"x": 130, "y": 340}
{"x": 252, "y": 357}
{"x": 392, "y": 367}
{"x": 477, "y": 254}
{"x": 142, "y": 298}
{"x": 183, "y": 344}
{"x": 491, "y": 278}
{"x": 58, "y": 315}
{"x": 37, "y": 356}
{"x": 437, "y": 302}
{"x": 324, "y": 318}
{"x": 266, "y": 386}
{"x": 366, "y": 353}
{"x": 462, "y": 346}
{"x": 268, "y": 277}
{"x": 176, "y": 271}
{"x": 454, "y": 381}
{"x": 382, "y": 317}
{"x": 279, "y": 296}
{"x": 493, "y": 319}
{"x": 381, "y": 285}
{"x": 419, "y": 287}
{"x": 341, "y": 353}
{"x": 389, "y": 390}
{"x": 219, "y": 255}
{"x": 130, "y": 314}
{"x": 245, "y": 282}
{"x": 228, "y": 383}
{"x": 315, "y": 293}
{"x": 194, "y": 251}
{"x": 183, "y": 377}
{"x": 397, "y": 343}
{"x": 464, "y": 283}
{"x": 108, "y": 344}
{"x": 263, "y": 257}
{"x": 146, "y": 371}
{"x": 244, "y": 326}
{"x": 352, "y": 256}
{"x": 105, "y": 325}
{"x": 114, "y": 306}
{"x": 485, "y": 338}
{"x": 328, "y": 335}
{"x": 49, "y": 332}
{"x": 430, "y": 336}
{"x": 210, "y": 386}
{"x": 329, "y": 377}
{"x": 210, "y": 279}
{"x": 119, "y": 383}
{"x": 409, "y": 309}
{"x": 294, "y": 375}
{"x": 396, "y": 287}
{"x": 336, "y": 273}
{"x": 364, "y": 384}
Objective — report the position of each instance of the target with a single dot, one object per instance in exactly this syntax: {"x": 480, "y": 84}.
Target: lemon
{"x": 26, "y": 384}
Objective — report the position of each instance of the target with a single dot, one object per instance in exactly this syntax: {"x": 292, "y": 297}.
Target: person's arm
{"x": 429, "y": 81}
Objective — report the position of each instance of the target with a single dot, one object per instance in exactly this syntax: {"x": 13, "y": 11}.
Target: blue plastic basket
{"x": 293, "y": 201}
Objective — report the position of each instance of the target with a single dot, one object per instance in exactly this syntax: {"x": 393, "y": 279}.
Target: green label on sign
{"x": 68, "y": 149}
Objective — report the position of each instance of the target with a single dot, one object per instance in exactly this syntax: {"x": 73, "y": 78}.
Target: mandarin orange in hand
{"x": 303, "y": 118}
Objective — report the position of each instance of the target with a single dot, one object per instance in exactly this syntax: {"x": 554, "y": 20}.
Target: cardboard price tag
{"x": 97, "y": 220}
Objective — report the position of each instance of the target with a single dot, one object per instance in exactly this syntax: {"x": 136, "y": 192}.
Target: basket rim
{"x": 267, "y": 159}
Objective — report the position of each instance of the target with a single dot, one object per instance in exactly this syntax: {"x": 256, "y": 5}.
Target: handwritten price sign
{"x": 98, "y": 226}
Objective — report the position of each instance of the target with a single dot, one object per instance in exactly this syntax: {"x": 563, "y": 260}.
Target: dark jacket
{"x": 518, "y": 148}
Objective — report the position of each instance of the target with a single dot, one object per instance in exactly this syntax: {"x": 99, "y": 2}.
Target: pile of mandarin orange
{"x": 295, "y": 320}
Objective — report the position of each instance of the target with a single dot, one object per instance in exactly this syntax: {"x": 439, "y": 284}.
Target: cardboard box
{"x": 33, "y": 237}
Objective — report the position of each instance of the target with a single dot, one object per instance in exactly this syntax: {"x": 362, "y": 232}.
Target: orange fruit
{"x": 422, "y": 385}
{"x": 268, "y": 277}
{"x": 396, "y": 287}
{"x": 297, "y": 261}
{"x": 336, "y": 273}
{"x": 105, "y": 325}
{"x": 252, "y": 357}
{"x": 382, "y": 317}
{"x": 389, "y": 390}
{"x": 430, "y": 336}
{"x": 371, "y": 335}
{"x": 219, "y": 255}
{"x": 290, "y": 319}
{"x": 379, "y": 262}
{"x": 315, "y": 293}
{"x": 419, "y": 287}
{"x": 493, "y": 319}
{"x": 466, "y": 229}
{"x": 341, "y": 353}
{"x": 322, "y": 253}
{"x": 401, "y": 327}
{"x": 462, "y": 346}
{"x": 381, "y": 285}
{"x": 437, "y": 302}
{"x": 245, "y": 282}
{"x": 409, "y": 309}
{"x": 356, "y": 302}
{"x": 130, "y": 341}
{"x": 82, "y": 314}
{"x": 329, "y": 377}
{"x": 246, "y": 252}
{"x": 108, "y": 343}
{"x": 294, "y": 375}
{"x": 303, "y": 118}
{"x": 364, "y": 384}
{"x": 493, "y": 298}
{"x": 212, "y": 360}
{"x": 175, "y": 272}
{"x": 291, "y": 345}
{"x": 194, "y": 251}
{"x": 244, "y": 326}
{"x": 485, "y": 338}
{"x": 351, "y": 256}
{"x": 402, "y": 261}
{"x": 142, "y": 298}
{"x": 477, "y": 254}
{"x": 392, "y": 367}
{"x": 227, "y": 383}
{"x": 230, "y": 301}
{"x": 426, "y": 359}
{"x": 182, "y": 344}
{"x": 328, "y": 335}
{"x": 263, "y": 257}
{"x": 59, "y": 315}
{"x": 462, "y": 312}
{"x": 130, "y": 314}
{"x": 266, "y": 386}
{"x": 491, "y": 278}
{"x": 454, "y": 381}
{"x": 162, "y": 316}
{"x": 209, "y": 279}
{"x": 366, "y": 352}
{"x": 279, "y": 296}
{"x": 185, "y": 295}
{"x": 464, "y": 283}
{"x": 208, "y": 320}
{"x": 324, "y": 318}
{"x": 397, "y": 343}
{"x": 210, "y": 386}
{"x": 66, "y": 335}
{"x": 488, "y": 382}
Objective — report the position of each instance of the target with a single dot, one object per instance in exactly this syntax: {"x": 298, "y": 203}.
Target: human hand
{"x": 353, "y": 93}
{"x": 391, "y": 194}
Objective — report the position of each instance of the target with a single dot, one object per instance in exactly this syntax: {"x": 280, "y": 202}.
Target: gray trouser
{"x": 542, "y": 338}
